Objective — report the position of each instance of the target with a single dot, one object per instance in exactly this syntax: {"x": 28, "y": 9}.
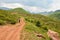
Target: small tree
{"x": 38, "y": 24}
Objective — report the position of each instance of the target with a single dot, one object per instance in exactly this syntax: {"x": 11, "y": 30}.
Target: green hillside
{"x": 18, "y": 10}
{"x": 39, "y": 24}
{"x": 35, "y": 23}
{"x": 6, "y": 17}
{"x": 56, "y": 15}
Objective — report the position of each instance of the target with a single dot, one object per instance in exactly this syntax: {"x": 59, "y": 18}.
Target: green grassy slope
{"x": 39, "y": 24}
{"x": 19, "y": 10}
{"x": 35, "y": 23}
{"x": 56, "y": 15}
{"x": 6, "y": 17}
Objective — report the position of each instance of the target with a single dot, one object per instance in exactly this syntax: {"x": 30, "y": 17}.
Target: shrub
{"x": 2, "y": 22}
{"x": 38, "y": 24}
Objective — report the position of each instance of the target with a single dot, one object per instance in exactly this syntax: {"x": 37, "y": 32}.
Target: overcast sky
{"x": 32, "y": 5}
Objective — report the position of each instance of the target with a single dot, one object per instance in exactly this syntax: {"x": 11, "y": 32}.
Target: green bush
{"x": 38, "y": 24}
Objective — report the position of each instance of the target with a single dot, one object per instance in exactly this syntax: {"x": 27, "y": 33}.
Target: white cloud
{"x": 11, "y": 5}
{"x": 28, "y": 8}
{"x": 55, "y": 5}
{"x": 34, "y": 9}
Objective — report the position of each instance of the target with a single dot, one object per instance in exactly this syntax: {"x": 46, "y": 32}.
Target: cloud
{"x": 34, "y": 5}
{"x": 11, "y": 5}
{"x": 17, "y": 5}
{"x": 34, "y": 9}
{"x": 55, "y": 5}
{"x": 38, "y": 3}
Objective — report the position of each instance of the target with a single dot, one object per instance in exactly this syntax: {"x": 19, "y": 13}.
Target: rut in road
{"x": 12, "y": 32}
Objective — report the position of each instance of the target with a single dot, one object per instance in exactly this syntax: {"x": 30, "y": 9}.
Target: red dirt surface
{"x": 12, "y": 32}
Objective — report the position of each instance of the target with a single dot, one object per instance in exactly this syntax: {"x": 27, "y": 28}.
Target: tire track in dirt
{"x": 12, "y": 32}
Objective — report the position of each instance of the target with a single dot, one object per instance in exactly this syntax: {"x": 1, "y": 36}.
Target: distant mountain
{"x": 19, "y": 10}
{"x": 46, "y": 13}
{"x": 57, "y": 11}
{"x": 55, "y": 14}
{"x": 4, "y": 8}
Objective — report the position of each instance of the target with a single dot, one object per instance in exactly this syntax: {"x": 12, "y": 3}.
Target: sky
{"x": 32, "y": 5}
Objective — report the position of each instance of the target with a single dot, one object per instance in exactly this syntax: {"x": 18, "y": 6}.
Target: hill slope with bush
{"x": 35, "y": 23}
{"x": 55, "y": 15}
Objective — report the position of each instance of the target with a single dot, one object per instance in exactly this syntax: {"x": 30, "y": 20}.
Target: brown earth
{"x": 12, "y": 32}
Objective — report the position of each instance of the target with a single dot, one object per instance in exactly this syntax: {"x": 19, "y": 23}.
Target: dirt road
{"x": 12, "y": 32}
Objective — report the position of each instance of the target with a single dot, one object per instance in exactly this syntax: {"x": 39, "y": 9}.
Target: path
{"x": 12, "y": 32}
